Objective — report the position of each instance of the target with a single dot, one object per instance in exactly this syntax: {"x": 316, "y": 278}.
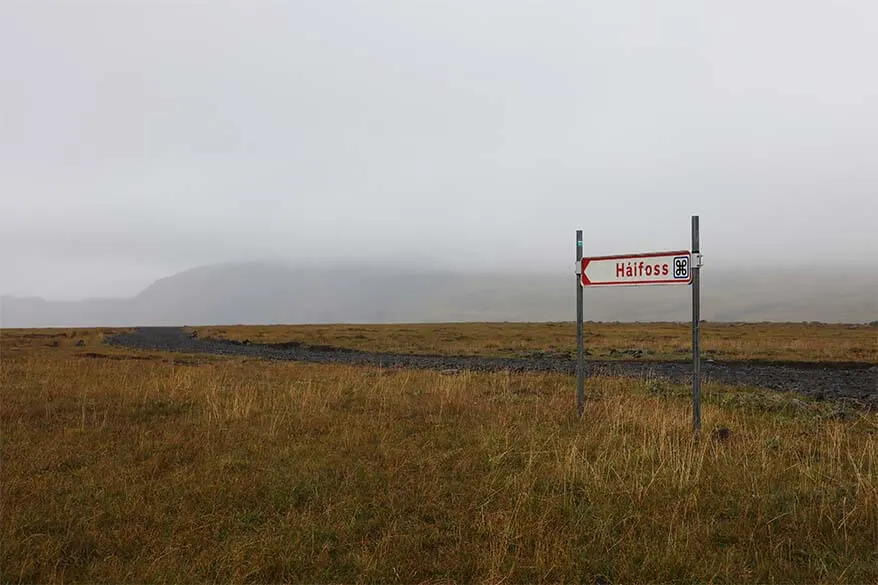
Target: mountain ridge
{"x": 271, "y": 292}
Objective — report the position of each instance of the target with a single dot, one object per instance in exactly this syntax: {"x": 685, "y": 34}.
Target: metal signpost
{"x": 650, "y": 268}
{"x": 696, "y": 327}
{"x": 580, "y": 350}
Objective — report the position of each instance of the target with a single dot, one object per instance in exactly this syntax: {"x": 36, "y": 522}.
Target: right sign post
{"x": 648, "y": 268}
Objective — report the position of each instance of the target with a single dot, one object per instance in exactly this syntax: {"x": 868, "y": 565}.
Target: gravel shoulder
{"x": 826, "y": 381}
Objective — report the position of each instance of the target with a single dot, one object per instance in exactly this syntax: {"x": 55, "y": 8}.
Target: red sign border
{"x": 584, "y": 281}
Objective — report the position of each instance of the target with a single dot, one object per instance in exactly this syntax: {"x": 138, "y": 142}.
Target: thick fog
{"x": 138, "y": 139}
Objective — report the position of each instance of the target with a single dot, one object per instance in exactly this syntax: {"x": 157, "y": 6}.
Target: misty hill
{"x": 260, "y": 293}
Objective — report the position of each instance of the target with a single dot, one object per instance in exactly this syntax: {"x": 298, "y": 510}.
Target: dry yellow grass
{"x": 764, "y": 341}
{"x": 192, "y": 468}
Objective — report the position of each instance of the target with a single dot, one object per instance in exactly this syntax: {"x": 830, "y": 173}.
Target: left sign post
{"x": 580, "y": 349}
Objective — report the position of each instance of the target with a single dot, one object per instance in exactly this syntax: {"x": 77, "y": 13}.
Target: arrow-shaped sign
{"x": 638, "y": 269}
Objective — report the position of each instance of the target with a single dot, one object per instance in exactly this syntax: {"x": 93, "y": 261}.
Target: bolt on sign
{"x": 638, "y": 269}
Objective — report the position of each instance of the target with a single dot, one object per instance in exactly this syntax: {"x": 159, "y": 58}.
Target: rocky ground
{"x": 851, "y": 382}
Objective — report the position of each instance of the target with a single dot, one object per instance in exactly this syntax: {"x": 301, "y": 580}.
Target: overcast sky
{"x": 138, "y": 139}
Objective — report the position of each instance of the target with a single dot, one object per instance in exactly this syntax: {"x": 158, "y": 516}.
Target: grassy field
{"x": 762, "y": 341}
{"x": 124, "y": 466}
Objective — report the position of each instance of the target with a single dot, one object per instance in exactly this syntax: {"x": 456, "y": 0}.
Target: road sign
{"x": 640, "y": 269}
{"x": 637, "y": 269}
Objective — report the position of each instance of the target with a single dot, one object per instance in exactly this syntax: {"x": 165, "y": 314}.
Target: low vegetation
{"x": 124, "y": 466}
{"x": 731, "y": 341}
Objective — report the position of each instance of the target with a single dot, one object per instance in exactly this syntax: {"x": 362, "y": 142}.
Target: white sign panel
{"x": 638, "y": 269}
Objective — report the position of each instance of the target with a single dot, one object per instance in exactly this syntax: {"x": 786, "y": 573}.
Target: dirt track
{"x": 829, "y": 381}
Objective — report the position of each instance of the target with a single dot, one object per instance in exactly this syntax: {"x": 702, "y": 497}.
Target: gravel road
{"x": 828, "y": 381}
